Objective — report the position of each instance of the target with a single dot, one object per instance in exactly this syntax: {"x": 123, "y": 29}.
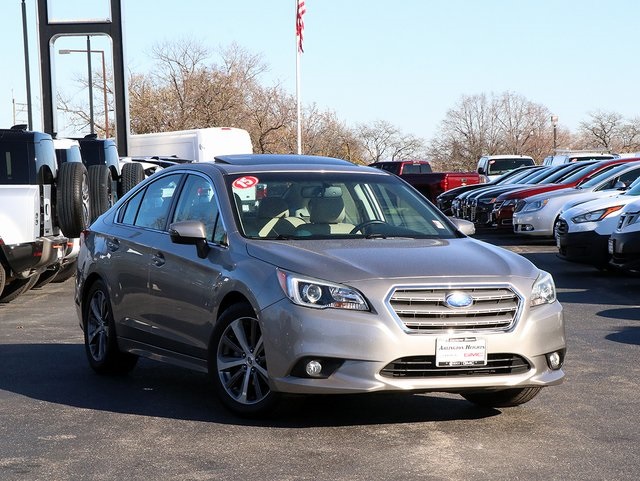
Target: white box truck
{"x": 199, "y": 145}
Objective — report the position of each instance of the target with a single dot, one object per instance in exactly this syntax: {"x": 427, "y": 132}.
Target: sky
{"x": 406, "y": 62}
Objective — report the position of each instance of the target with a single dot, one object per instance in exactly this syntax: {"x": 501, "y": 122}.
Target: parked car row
{"x": 50, "y": 191}
{"x": 588, "y": 205}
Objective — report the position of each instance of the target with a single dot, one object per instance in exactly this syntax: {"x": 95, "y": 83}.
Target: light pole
{"x": 88, "y": 51}
{"x": 554, "y": 122}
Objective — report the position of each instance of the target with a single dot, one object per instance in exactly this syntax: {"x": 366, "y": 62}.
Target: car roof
{"x": 278, "y": 159}
{"x": 508, "y": 156}
{"x": 237, "y": 164}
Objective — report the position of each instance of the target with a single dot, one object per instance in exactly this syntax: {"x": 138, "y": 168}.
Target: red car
{"x": 502, "y": 215}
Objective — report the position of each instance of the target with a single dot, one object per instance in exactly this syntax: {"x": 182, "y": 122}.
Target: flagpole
{"x": 298, "y": 108}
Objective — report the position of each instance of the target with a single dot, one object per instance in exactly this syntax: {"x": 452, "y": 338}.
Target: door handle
{"x": 158, "y": 259}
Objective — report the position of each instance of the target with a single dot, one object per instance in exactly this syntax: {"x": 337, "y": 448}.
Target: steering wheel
{"x": 363, "y": 225}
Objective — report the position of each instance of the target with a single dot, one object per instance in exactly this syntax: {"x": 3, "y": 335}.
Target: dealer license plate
{"x": 612, "y": 245}
{"x": 460, "y": 351}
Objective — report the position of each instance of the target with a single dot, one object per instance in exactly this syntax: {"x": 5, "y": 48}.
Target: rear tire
{"x": 132, "y": 175}
{"x": 101, "y": 345}
{"x": 504, "y": 398}
{"x": 16, "y": 288}
{"x": 46, "y": 277}
{"x": 66, "y": 272}
{"x": 3, "y": 278}
{"x": 101, "y": 190}
{"x": 72, "y": 199}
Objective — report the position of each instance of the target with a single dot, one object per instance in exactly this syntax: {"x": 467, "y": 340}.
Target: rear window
{"x": 15, "y": 163}
{"x": 416, "y": 169}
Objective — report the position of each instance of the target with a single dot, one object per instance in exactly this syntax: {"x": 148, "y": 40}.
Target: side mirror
{"x": 464, "y": 226}
{"x": 481, "y": 171}
{"x": 190, "y": 232}
{"x": 619, "y": 185}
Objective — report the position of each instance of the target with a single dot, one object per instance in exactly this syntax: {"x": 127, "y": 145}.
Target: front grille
{"x": 425, "y": 366}
{"x": 424, "y": 309}
{"x": 561, "y": 227}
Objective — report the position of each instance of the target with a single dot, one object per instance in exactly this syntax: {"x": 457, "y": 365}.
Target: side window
{"x": 156, "y": 202}
{"x": 198, "y": 202}
{"x": 629, "y": 177}
{"x": 128, "y": 214}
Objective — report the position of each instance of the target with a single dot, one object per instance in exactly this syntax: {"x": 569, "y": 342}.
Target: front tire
{"x": 101, "y": 345}
{"x": 237, "y": 363}
{"x": 504, "y": 398}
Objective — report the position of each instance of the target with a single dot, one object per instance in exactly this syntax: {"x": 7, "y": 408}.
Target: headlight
{"x": 632, "y": 217}
{"x": 544, "y": 290}
{"x": 534, "y": 206}
{"x": 309, "y": 292}
{"x": 509, "y": 202}
{"x": 595, "y": 215}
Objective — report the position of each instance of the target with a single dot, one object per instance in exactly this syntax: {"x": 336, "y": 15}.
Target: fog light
{"x": 554, "y": 360}
{"x": 527, "y": 227}
{"x": 313, "y": 368}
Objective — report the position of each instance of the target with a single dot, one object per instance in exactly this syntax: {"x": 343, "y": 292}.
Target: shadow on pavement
{"x": 628, "y": 335}
{"x": 59, "y": 373}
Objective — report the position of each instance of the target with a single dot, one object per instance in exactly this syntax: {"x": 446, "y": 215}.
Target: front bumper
{"x": 586, "y": 247}
{"x": 26, "y": 258}
{"x": 502, "y": 218}
{"x": 367, "y": 346}
{"x": 624, "y": 248}
{"x": 533, "y": 224}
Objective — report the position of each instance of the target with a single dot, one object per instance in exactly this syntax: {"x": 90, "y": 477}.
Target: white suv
{"x": 493, "y": 166}
{"x": 42, "y": 206}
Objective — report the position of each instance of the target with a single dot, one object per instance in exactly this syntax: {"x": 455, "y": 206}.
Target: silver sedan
{"x": 295, "y": 274}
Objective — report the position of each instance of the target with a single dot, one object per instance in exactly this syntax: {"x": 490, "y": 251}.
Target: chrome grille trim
{"x": 421, "y": 309}
{"x": 425, "y": 366}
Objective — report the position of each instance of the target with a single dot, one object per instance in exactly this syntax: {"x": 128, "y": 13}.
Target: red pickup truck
{"x": 431, "y": 184}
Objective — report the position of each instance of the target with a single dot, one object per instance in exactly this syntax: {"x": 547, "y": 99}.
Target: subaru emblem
{"x": 458, "y": 299}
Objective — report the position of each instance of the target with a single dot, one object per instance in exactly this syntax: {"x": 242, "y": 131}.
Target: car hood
{"x": 530, "y": 191}
{"x": 350, "y": 260}
{"x": 596, "y": 204}
{"x": 573, "y": 195}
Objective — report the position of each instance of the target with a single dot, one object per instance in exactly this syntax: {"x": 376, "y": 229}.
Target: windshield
{"x": 322, "y": 205}
{"x": 583, "y": 173}
{"x": 500, "y": 166}
{"x": 634, "y": 189}
{"x": 516, "y": 175}
{"x": 565, "y": 173}
{"x": 603, "y": 175}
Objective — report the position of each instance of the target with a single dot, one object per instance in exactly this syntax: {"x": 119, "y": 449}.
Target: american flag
{"x": 300, "y": 23}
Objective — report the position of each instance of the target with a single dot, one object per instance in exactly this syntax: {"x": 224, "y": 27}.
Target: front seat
{"x": 273, "y": 218}
{"x": 326, "y": 215}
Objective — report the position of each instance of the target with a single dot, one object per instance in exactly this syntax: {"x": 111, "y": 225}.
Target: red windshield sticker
{"x": 245, "y": 182}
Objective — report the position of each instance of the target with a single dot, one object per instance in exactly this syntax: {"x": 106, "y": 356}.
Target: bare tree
{"x": 384, "y": 141}
{"x": 490, "y": 125}
{"x": 602, "y": 130}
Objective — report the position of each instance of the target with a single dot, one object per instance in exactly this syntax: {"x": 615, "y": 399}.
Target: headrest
{"x": 326, "y": 210}
{"x": 273, "y": 207}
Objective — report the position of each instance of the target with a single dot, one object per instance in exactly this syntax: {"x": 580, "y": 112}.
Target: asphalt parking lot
{"x": 60, "y": 421}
